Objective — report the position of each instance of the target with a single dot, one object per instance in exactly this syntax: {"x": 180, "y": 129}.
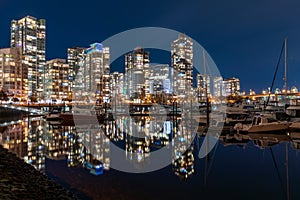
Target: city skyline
{"x": 25, "y": 73}
{"x": 242, "y": 42}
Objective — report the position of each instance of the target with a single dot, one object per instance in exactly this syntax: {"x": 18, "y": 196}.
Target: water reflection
{"x": 88, "y": 146}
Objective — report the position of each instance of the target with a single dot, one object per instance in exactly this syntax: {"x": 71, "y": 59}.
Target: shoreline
{"x": 19, "y": 180}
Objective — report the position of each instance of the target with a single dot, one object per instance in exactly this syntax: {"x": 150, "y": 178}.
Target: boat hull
{"x": 276, "y": 127}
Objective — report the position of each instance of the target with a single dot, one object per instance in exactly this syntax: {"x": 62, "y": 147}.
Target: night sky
{"x": 244, "y": 38}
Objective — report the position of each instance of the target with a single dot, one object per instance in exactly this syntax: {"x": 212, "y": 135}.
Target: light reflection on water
{"x": 88, "y": 145}
{"x": 252, "y": 155}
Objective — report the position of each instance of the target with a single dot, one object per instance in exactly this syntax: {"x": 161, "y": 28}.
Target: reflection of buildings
{"x": 25, "y": 140}
{"x": 183, "y": 159}
{"x": 143, "y": 135}
{"x": 75, "y": 149}
{"x": 182, "y": 64}
{"x": 137, "y": 139}
{"x": 96, "y": 145}
{"x": 56, "y": 142}
{"x": 183, "y": 165}
{"x": 13, "y": 76}
{"x": 29, "y": 33}
{"x": 57, "y": 80}
{"x": 14, "y": 138}
{"x": 137, "y": 73}
{"x": 36, "y": 148}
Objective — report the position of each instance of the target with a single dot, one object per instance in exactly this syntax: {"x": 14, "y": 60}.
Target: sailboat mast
{"x": 285, "y": 65}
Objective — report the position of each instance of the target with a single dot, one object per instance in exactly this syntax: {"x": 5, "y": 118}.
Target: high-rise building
{"x": 94, "y": 74}
{"x": 117, "y": 83}
{"x": 231, "y": 86}
{"x": 182, "y": 64}
{"x": 13, "y": 74}
{"x": 57, "y": 80}
{"x": 218, "y": 86}
{"x": 75, "y": 56}
{"x": 137, "y": 73}
{"x": 29, "y": 33}
{"x": 203, "y": 87}
{"x": 159, "y": 79}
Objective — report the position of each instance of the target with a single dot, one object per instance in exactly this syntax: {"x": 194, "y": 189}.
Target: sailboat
{"x": 267, "y": 122}
{"x": 277, "y": 111}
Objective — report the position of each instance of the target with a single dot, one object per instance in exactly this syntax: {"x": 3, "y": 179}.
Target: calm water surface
{"x": 253, "y": 166}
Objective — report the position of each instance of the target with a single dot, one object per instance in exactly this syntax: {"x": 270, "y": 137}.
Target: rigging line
{"x": 274, "y": 77}
{"x": 213, "y": 156}
{"x": 287, "y": 172}
{"x": 277, "y": 170}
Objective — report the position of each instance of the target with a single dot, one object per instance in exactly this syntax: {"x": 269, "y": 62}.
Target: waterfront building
{"x": 137, "y": 74}
{"x": 203, "y": 87}
{"x": 57, "y": 80}
{"x": 182, "y": 64}
{"x": 218, "y": 86}
{"x": 231, "y": 87}
{"x": 13, "y": 74}
{"x": 75, "y": 56}
{"x": 117, "y": 86}
{"x": 29, "y": 33}
{"x": 92, "y": 79}
{"x": 159, "y": 79}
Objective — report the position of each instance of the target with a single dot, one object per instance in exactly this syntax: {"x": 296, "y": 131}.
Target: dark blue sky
{"x": 243, "y": 37}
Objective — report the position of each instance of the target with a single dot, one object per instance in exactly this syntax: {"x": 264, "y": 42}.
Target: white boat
{"x": 262, "y": 124}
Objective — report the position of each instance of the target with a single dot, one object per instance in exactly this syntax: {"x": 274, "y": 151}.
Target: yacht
{"x": 262, "y": 124}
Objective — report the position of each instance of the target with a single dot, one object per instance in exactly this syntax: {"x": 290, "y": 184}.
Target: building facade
{"x": 231, "y": 87}
{"x": 75, "y": 56}
{"x": 57, "y": 80}
{"x": 29, "y": 34}
{"x": 137, "y": 73}
{"x": 218, "y": 86}
{"x": 117, "y": 86}
{"x": 159, "y": 79}
{"x": 13, "y": 74}
{"x": 203, "y": 87}
{"x": 182, "y": 64}
{"x": 92, "y": 79}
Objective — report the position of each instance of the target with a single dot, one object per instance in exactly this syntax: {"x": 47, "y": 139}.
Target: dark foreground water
{"x": 253, "y": 166}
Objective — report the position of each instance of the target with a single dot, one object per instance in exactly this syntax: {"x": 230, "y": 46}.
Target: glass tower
{"x": 29, "y": 33}
{"x": 182, "y": 64}
{"x": 137, "y": 73}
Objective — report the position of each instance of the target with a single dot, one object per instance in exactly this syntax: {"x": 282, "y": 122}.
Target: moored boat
{"x": 262, "y": 124}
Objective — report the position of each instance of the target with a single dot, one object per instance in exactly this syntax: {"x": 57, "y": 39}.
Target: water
{"x": 253, "y": 166}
